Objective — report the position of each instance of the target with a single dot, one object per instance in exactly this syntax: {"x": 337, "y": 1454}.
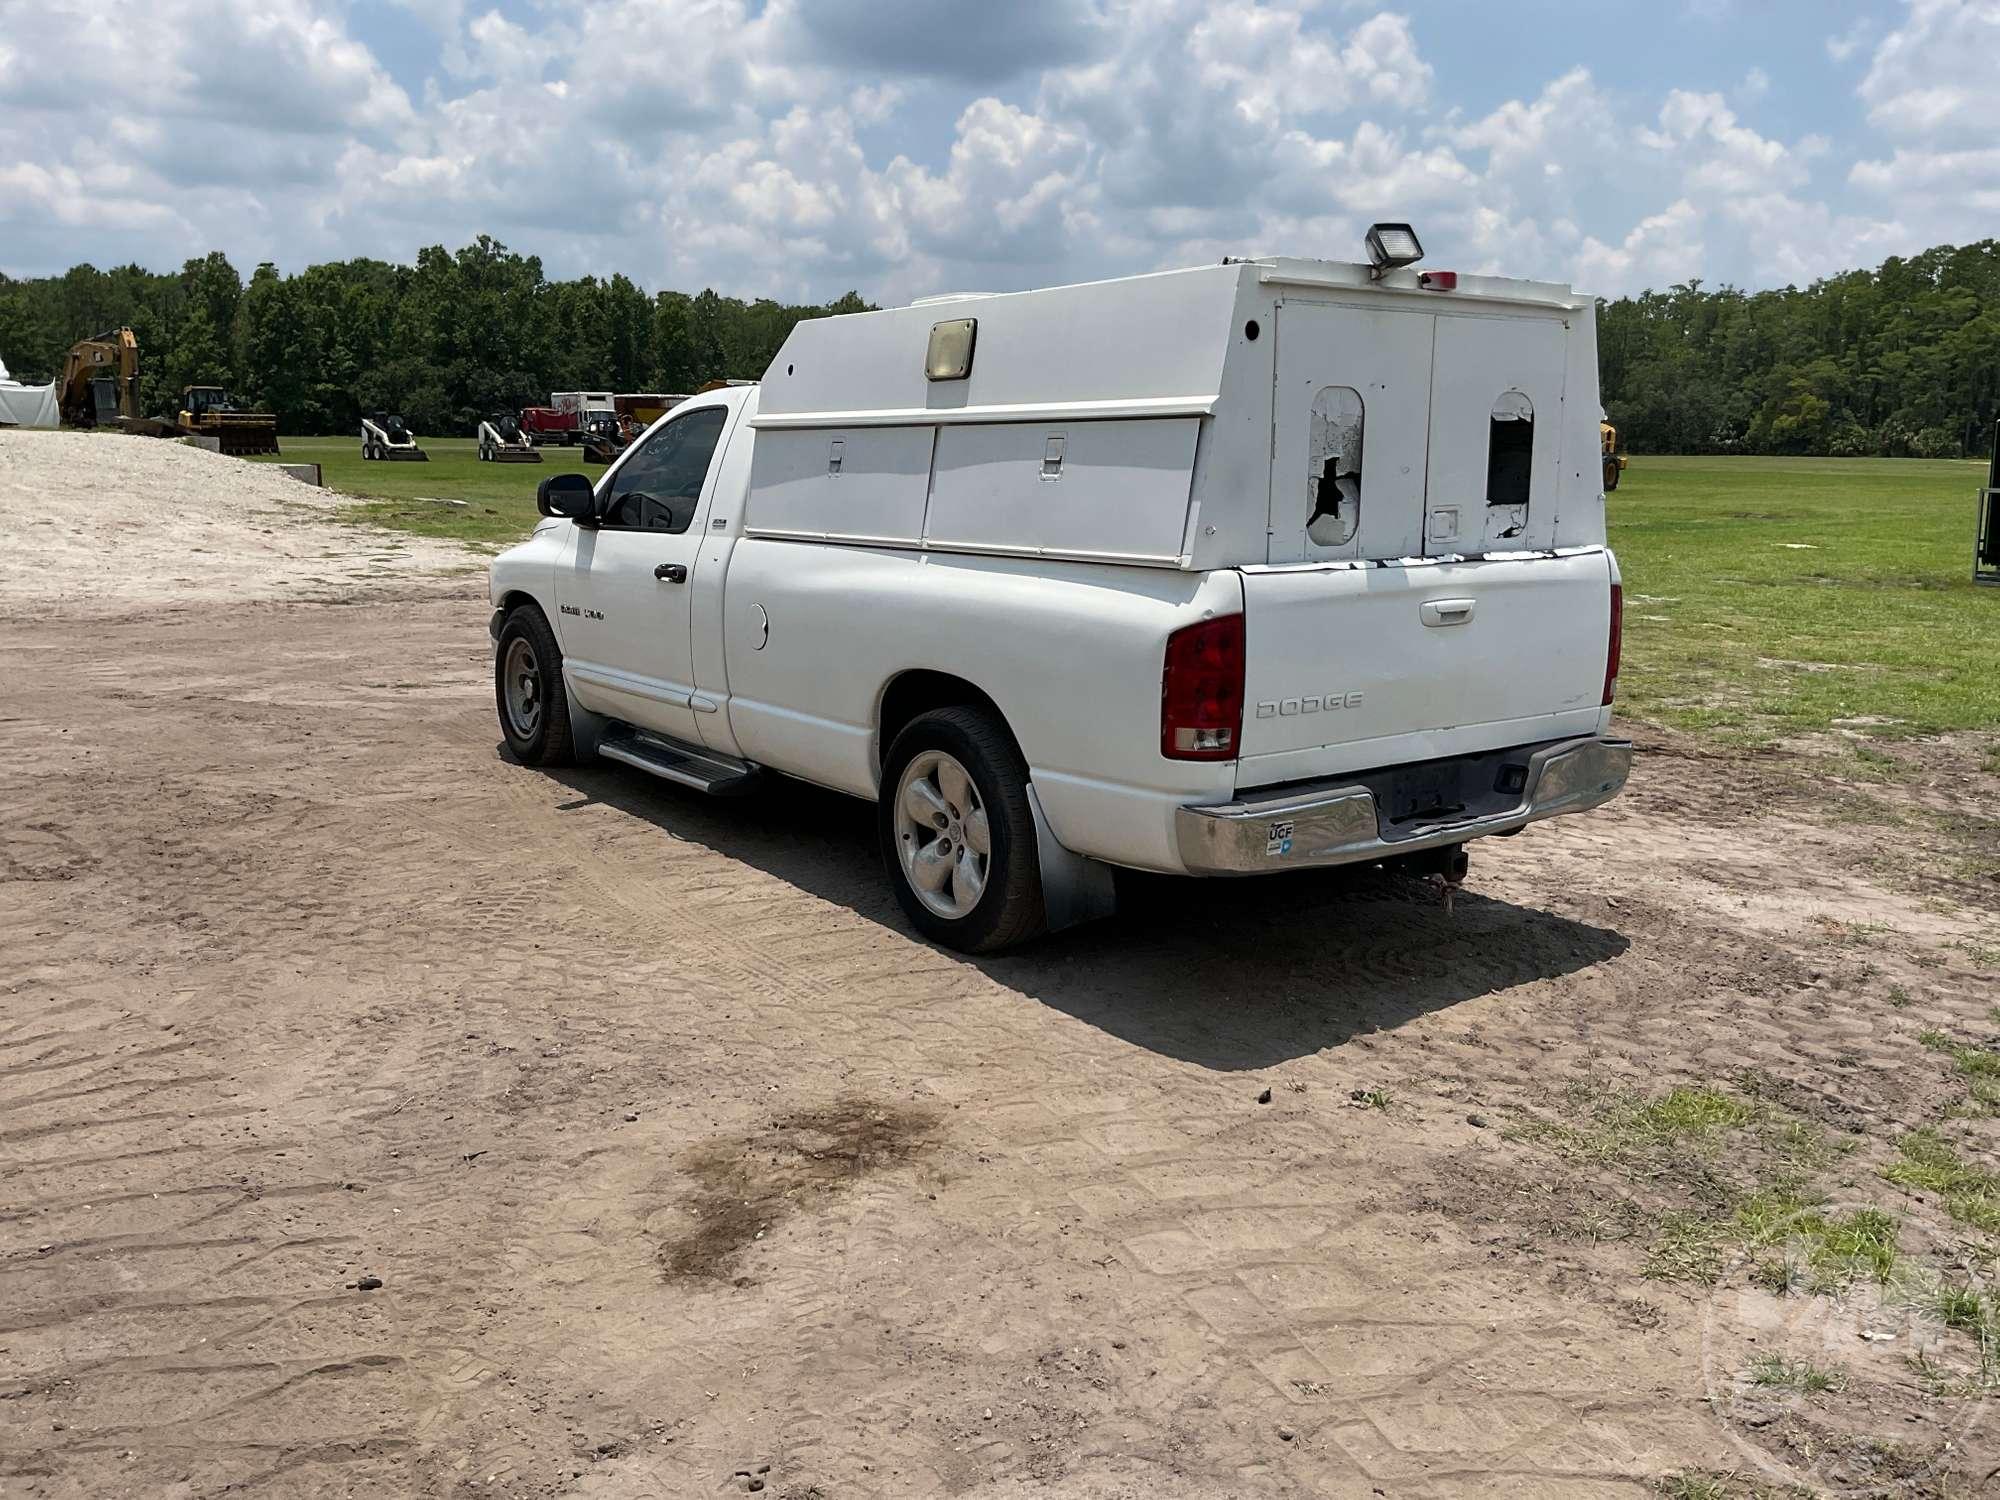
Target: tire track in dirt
{"x": 473, "y": 1020}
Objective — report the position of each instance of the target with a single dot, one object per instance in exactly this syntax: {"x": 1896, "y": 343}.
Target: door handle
{"x": 672, "y": 572}
{"x": 1446, "y": 611}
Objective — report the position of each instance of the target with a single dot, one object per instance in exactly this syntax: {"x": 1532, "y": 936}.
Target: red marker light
{"x": 1438, "y": 281}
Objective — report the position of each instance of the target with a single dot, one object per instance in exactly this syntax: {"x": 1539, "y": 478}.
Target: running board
{"x": 705, "y": 770}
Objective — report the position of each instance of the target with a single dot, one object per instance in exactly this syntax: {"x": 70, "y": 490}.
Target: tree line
{"x": 1903, "y": 360}
{"x": 445, "y": 342}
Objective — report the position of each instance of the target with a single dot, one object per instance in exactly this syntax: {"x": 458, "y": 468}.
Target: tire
{"x": 1611, "y": 472}
{"x": 534, "y": 717}
{"x": 1004, "y": 906}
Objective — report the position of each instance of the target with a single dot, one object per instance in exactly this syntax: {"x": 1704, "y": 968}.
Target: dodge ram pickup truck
{"x": 1226, "y": 571}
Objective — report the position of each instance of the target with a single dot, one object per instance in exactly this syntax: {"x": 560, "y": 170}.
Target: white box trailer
{"x": 584, "y": 404}
{"x": 1256, "y": 565}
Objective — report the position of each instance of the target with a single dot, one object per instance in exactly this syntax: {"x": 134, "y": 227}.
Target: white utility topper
{"x": 1232, "y": 570}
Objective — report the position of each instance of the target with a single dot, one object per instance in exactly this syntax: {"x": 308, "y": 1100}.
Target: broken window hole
{"x": 1333, "y": 467}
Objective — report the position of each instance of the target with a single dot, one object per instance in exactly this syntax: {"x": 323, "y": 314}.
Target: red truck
{"x": 542, "y": 425}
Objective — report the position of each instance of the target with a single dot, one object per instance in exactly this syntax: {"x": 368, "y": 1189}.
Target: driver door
{"x": 625, "y": 588}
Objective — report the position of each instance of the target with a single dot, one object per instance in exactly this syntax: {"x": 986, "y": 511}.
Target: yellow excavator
{"x": 100, "y": 388}
{"x": 100, "y": 380}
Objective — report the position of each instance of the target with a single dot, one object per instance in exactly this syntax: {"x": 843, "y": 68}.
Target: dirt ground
{"x": 381, "y": 1117}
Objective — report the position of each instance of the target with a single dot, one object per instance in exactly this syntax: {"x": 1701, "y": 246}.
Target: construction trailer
{"x": 1986, "y": 546}
{"x": 587, "y": 407}
{"x": 501, "y": 441}
{"x": 385, "y": 436}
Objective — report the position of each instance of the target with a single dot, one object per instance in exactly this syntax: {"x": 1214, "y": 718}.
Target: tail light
{"x": 1201, "y": 691}
{"x": 1617, "y": 646}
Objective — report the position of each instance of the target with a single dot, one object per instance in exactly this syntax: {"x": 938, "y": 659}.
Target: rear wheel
{"x": 1610, "y": 474}
{"x": 528, "y": 690}
{"x": 957, "y": 833}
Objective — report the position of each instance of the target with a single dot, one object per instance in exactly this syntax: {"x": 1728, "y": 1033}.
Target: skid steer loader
{"x": 501, "y": 441}
{"x": 385, "y": 436}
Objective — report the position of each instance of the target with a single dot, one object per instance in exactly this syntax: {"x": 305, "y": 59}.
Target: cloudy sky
{"x": 802, "y": 147}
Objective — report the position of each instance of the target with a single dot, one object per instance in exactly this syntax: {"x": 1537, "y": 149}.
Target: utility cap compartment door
{"x": 1496, "y": 435}
{"x": 1352, "y": 430}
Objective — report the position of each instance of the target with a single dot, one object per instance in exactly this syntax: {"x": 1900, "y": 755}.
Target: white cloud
{"x": 1717, "y": 153}
{"x": 1932, "y": 76}
{"x": 801, "y": 147}
{"x": 1662, "y": 249}
{"x": 1844, "y": 45}
{"x": 1929, "y": 91}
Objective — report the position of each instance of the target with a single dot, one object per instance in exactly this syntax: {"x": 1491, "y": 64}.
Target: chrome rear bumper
{"x": 1340, "y": 823}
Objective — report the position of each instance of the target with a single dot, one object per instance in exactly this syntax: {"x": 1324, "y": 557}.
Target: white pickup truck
{"x": 1224, "y": 571}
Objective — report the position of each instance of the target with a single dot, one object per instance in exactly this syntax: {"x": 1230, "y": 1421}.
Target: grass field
{"x": 1767, "y": 596}
{"x": 499, "y": 498}
{"x": 1763, "y": 596}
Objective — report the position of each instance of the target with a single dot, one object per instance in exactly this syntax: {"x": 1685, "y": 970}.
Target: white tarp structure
{"x": 25, "y": 405}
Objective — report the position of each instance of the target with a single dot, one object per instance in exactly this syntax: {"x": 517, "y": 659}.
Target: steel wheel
{"x": 521, "y": 677}
{"x": 942, "y": 836}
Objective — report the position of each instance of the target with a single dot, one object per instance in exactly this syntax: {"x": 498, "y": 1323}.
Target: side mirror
{"x": 568, "y": 495}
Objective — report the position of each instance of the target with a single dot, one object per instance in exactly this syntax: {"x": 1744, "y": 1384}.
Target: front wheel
{"x": 1611, "y": 473}
{"x": 958, "y": 834}
{"x": 528, "y": 690}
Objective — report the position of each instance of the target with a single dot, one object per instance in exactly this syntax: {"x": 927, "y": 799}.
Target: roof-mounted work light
{"x": 1391, "y": 246}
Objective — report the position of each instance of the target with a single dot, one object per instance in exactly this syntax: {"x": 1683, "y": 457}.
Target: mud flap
{"x": 586, "y": 730}
{"x": 1074, "y": 889}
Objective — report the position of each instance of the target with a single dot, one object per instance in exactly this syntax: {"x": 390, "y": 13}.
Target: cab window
{"x": 657, "y": 488}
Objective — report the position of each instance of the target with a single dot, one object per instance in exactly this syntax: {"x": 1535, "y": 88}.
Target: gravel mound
{"x": 101, "y": 523}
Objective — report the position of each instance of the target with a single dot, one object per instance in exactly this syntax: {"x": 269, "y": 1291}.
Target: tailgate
{"x": 1353, "y": 667}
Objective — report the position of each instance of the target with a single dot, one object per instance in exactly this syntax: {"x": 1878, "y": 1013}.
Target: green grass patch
{"x": 1797, "y": 1247}
{"x": 1741, "y": 1167}
{"x": 1772, "y": 596}
{"x": 1974, "y": 1062}
{"x": 1800, "y": 1375}
{"x": 1970, "y": 1194}
{"x": 499, "y": 499}
{"x": 1627, "y": 1125}
{"x": 1711, "y": 1484}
